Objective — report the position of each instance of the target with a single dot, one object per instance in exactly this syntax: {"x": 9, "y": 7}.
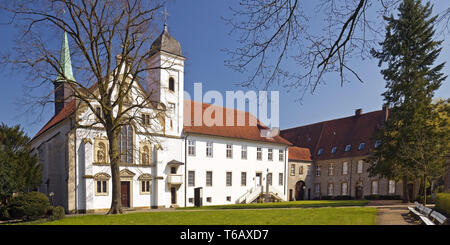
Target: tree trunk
{"x": 424, "y": 189}
{"x": 116, "y": 202}
{"x": 405, "y": 190}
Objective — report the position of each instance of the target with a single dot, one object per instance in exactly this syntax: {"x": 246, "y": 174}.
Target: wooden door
{"x": 258, "y": 179}
{"x": 125, "y": 192}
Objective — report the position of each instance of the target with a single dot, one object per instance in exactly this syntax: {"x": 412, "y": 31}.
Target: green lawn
{"x": 294, "y": 204}
{"x": 308, "y": 216}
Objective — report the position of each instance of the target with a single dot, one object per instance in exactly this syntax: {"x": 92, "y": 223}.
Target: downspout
{"x": 285, "y": 169}
{"x": 185, "y": 170}
{"x": 75, "y": 156}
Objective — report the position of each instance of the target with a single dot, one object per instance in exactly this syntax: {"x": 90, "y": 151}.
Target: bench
{"x": 438, "y": 218}
{"x": 423, "y": 210}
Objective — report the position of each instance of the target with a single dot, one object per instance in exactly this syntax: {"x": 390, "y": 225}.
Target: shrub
{"x": 57, "y": 213}
{"x": 372, "y": 197}
{"x": 31, "y": 205}
{"x": 430, "y": 200}
{"x": 4, "y": 214}
{"x": 342, "y": 198}
{"x": 326, "y": 197}
{"x": 390, "y": 197}
{"x": 443, "y": 203}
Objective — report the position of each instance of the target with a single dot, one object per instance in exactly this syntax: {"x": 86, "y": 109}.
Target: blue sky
{"x": 198, "y": 26}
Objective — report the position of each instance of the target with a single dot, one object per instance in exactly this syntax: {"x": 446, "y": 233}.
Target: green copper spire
{"x": 65, "y": 62}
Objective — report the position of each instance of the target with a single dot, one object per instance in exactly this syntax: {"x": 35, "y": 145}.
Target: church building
{"x": 173, "y": 165}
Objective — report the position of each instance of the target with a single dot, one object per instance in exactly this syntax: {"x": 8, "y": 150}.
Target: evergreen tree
{"x": 19, "y": 170}
{"x": 412, "y": 146}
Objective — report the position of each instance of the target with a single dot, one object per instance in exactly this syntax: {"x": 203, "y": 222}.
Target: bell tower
{"x": 165, "y": 82}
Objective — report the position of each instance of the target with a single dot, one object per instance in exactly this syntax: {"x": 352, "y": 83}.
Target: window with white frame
{"x": 280, "y": 179}
{"x": 344, "y": 188}
{"x": 391, "y": 187}
{"x": 209, "y": 178}
{"x": 229, "y": 151}
{"x": 171, "y": 107}
{"x": 281, "y": 155}
{"x": 229, "y": 179}
{"x": 348, "y": 147}
{"x": 292, "y": 169}
{"x": 317, "y": 188}
{"x": 374, "y": 187}
{"x": 308, "y": 170}
{"x": 191, "y": 178}
{"x": 320, "y": 151}
{"x": 331, "y": 169}
{"x": 243, "y": 178}
{"x": 191, "y": 147}
{"x": 345, "y": 168}
{"x": 300, "y": 170}
{"x": 334, "y": 149}
{"x": 270, "y": 154}
{"x": 377, "y": 143}
{"x": 209, "y": 149}
{"x": 361, "y": 146}
{"x": 244, "y": 152}
{"x": 317, "y": 170}
{"x": 359, "y": 169}
{"x": 258, "y": 153}
{"x": 330, "y": 189}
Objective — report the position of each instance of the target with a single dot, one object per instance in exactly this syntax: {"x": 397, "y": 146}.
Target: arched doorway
{"x": 299, "y": 190}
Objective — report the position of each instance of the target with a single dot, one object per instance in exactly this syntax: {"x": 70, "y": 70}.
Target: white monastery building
{"x": 161, "y": 167}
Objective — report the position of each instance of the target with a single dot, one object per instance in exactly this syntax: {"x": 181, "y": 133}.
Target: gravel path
{"x": 394, "y": 216}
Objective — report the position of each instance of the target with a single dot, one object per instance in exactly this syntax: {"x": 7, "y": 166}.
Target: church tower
{"x": 166, "y": 83}
{"x": 62, "y": 89}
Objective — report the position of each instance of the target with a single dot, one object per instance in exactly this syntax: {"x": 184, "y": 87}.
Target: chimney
{"x": 385, "y": 109}
{"x": 63, "y": 91}
{"x": 358, "y": 112}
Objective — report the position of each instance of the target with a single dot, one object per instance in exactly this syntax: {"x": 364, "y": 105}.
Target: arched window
{"x": 172, "y": 84}
{"x": 145, "y": 156}
{"x": 125, "y": 144}
{"x": 101, "y": 152}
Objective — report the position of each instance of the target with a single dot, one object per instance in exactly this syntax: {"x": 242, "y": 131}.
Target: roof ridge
{"x": 341, "y": 118}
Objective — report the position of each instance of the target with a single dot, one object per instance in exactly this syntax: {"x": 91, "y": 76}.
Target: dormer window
{"x": 361, "y": 146}
{"x": 334, "y": 149}
{"x": 377, "y": 143}
{"x": 172, "y": 84}
{"x": 320, "y": 151}
{"x": 348, "y": 147}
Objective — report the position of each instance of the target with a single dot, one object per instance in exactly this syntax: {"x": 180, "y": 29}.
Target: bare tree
{"x": 271, "y": 32}
{"x": 111, "y": 45}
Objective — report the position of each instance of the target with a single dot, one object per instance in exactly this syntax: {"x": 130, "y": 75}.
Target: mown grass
{"x": 313, "y": 216}
{"x": 293, "y": 204}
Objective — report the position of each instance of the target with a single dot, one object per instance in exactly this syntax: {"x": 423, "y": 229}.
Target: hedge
{"x": 443, "y": 203}
{"x": 29, "y": 206}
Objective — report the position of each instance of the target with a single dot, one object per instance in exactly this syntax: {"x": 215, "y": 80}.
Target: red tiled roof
{"x": 246, "y": 131}
{"x": 337, "y": 133}
{"x": 299, "y": 154}
{"x": 243, "y": 132}
{"x": 68, "y": 109}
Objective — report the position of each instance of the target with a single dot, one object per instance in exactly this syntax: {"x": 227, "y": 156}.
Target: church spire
{"x": 65, "y": 62}
{"x": 63, "y": 90}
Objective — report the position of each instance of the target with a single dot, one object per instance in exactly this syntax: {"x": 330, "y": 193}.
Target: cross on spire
{"x": 165, "y": 18}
